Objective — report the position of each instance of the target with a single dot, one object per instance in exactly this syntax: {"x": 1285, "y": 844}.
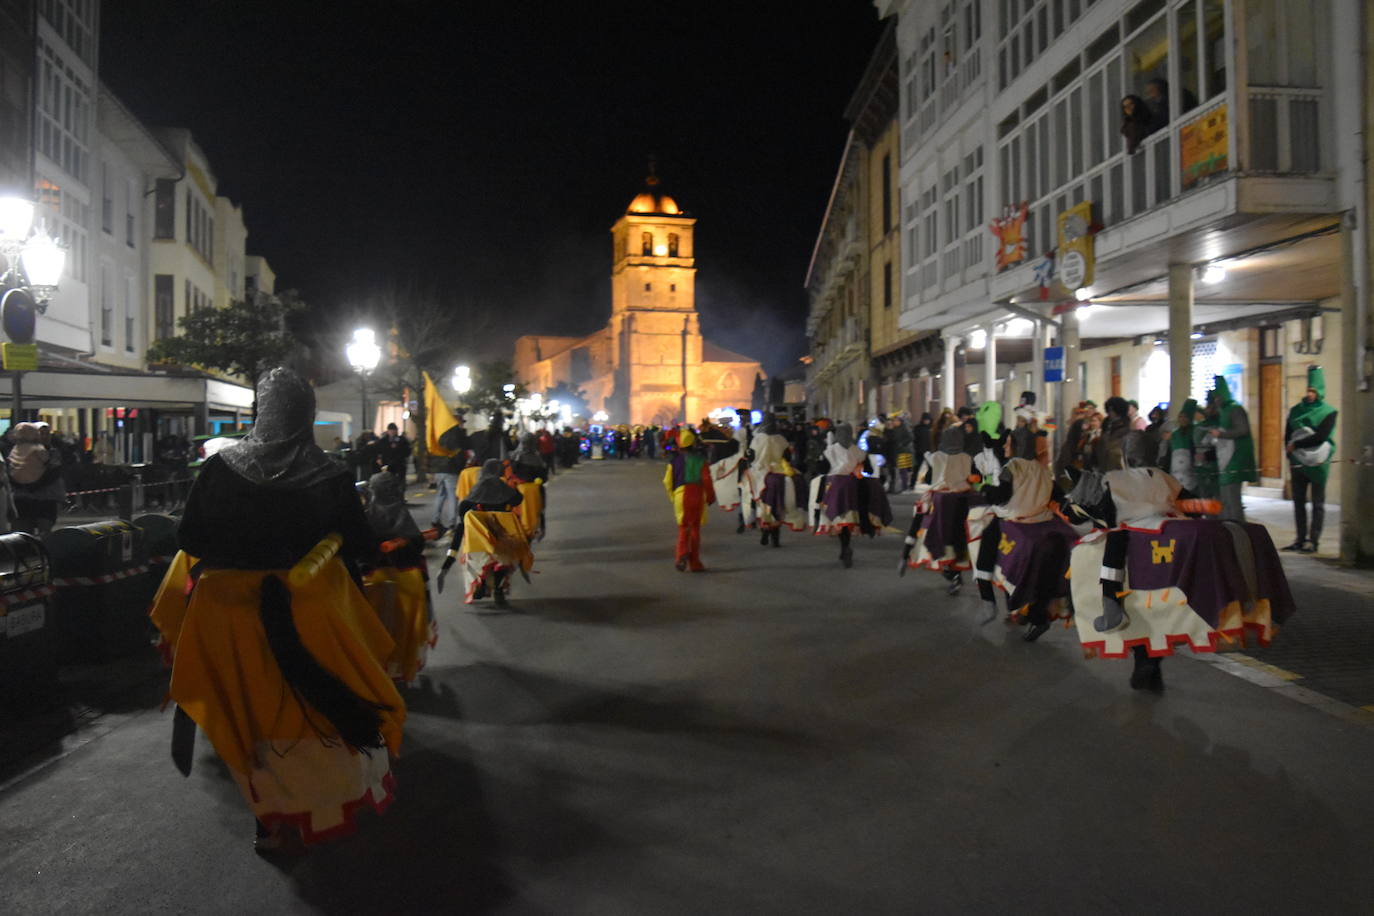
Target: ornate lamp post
{"x": 363, "y": 355}
{"x": 33, "y": 263}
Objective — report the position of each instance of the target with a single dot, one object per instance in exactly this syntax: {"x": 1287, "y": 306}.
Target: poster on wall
{"x": 1010, "y": 231}
{"x": 1233, "y": 373}
{"x": 1203, "y": 146}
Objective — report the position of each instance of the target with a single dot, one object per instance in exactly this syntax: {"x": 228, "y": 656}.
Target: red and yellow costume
{"x": 688, "y": 482}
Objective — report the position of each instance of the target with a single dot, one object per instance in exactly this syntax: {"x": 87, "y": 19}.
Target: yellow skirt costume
{"x": 226, "y": 679}
{"x": 467, "y": 479}
{"x": 531, "y": 508}
{"x": 493, "y": 542}
{"x": 401, "y": 600}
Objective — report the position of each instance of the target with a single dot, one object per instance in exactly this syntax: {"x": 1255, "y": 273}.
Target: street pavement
{"x": 776, "y": 735}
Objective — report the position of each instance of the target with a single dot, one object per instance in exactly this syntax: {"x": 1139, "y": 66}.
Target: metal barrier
{"x": 127, "y": 499}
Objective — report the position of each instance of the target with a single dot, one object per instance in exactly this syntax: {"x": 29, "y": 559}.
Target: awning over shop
{"x": 52, "y": 388}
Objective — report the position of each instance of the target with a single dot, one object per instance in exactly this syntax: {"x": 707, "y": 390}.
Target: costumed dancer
{"x": 739, "y": 492}
{"x": 1157, "y": 578}
{"x": 525, "y": 471}
{"x": 1311, "y": 443}
{"x": 489, "y": 539}
{"x": 275, "y": 652}
{"x": 688, "y": 482}
{"x": 1182, "y": 447}
{"x": 775, "y": 483}
{"x": 941, "y": 528}
{"x": 396, "y": 580}
{"x": 850, "y": 499}
{"x": 1024, "y": 549}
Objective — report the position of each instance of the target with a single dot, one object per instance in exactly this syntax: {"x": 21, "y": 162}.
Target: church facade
{"x": 650, "y": 363}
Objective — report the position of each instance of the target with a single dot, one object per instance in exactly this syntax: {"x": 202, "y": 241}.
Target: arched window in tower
{"x": 672, "y": 244}
{"x": 647, "y": 246}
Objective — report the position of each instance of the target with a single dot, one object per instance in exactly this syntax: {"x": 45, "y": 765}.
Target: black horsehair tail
{"x": 356, "y": 721}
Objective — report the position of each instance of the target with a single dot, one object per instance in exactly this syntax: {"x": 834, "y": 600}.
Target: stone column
{"x": 990, "y": 364}
{"x": 947, "y": 380}
{"x": 1071, "y": 389}
{"x": 1180, "y": 335}
{"x": 1037, "y": 385}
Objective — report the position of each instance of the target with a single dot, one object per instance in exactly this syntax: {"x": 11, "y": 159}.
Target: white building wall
{"x": 65, "y": 158}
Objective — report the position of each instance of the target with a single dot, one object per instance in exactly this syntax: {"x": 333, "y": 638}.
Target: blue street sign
{"x": 1054, "y": 364}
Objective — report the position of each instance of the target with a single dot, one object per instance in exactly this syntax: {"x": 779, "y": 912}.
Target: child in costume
{"x": 284, "y": 672}
{"x": 688, "y": 482}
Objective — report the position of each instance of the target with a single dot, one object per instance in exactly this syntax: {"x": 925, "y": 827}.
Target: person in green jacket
{"x": 1228, "y": 431}
{"x": 1182, "y": 446}
{"x": 1311, "y": 443}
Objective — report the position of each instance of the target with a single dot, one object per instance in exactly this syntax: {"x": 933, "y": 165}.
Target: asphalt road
{"x": 777, "y": 735}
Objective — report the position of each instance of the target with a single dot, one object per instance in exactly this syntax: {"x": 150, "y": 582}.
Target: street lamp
{"x": 363, "y": 355}
{"x": 462, "y": 379}
{"x": 33, "y": 269}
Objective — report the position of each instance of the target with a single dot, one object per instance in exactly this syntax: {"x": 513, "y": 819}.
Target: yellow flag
{"x": 438, "y": 418}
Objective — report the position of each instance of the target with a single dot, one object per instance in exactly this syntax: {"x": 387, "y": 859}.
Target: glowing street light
{"x": 462, "y": 379}
{"x": 363, "y": 355}
{"x": 34, "y": 262}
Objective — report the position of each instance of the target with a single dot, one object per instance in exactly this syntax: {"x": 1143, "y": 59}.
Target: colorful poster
{"x": 1010, "y": 230}
{"x": 1076, "y": 259}
{"x": 1203, "y": 146}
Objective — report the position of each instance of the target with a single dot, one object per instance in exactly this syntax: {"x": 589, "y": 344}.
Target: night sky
{"x": 486, "y": 149}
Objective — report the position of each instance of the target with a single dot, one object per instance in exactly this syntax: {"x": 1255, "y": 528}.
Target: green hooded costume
{"x": 990, "y": 418}
{"x": 1235, "y": 456}
{"x": 1311, "y": 416}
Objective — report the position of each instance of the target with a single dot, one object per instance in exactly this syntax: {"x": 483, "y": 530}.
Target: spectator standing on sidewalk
{"x": 395, "y": 451}
{"x": 35, "y": 470}
{"x": 1311, "y": 442}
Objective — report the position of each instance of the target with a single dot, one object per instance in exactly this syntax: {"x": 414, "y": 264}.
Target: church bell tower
{"x": 657, "y": 340}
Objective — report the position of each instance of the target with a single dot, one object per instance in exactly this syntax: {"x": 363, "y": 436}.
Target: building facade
{"x": 1206, "y": 234}
{"x": 17, "y": 24}
{"x": 650, "y": 364}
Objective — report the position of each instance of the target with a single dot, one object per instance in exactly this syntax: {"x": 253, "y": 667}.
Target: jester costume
{"x": 1311, "y": 439}
{"x": 1183, "y": 444}
{"x": 285, "y": 674}
{"x": 688, "y": 482}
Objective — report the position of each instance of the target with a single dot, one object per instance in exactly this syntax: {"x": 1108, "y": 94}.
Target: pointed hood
{"x": 1316, "y": 380}
{"x": 989, "y": 417}
{"x": 1221, "y": 392}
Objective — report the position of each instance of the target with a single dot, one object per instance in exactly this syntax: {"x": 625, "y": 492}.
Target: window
{"x": 130, "y": 207}
{"x": 106, "y": 200}
{"x": 672, "y": 287}
{"x": 63, "y": 112}
{"x": 188, "y": 301}
{"x": 163, "y": 307}
{"x": 646, "y": 243}
{"x": 1147, "y": 69}
{"x": 672, "y": 244}
{"x": 130, "y": 307}
{"x": 164, "y": 209}
{"x": 106, "y": 307}
{"x": 887, "y": 285}
{"x": 887, "y": 194}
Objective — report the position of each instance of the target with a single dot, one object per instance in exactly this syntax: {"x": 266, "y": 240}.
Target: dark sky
{"x": 486, "y": 148}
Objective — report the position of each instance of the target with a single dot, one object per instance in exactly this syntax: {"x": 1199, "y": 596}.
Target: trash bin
{"x": 160, "y": 540}
{"x": 103, "y": 590}
{"x": 28, "y": 648}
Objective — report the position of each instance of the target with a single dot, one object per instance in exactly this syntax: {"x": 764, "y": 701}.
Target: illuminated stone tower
{"x": 653, "y": 308}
